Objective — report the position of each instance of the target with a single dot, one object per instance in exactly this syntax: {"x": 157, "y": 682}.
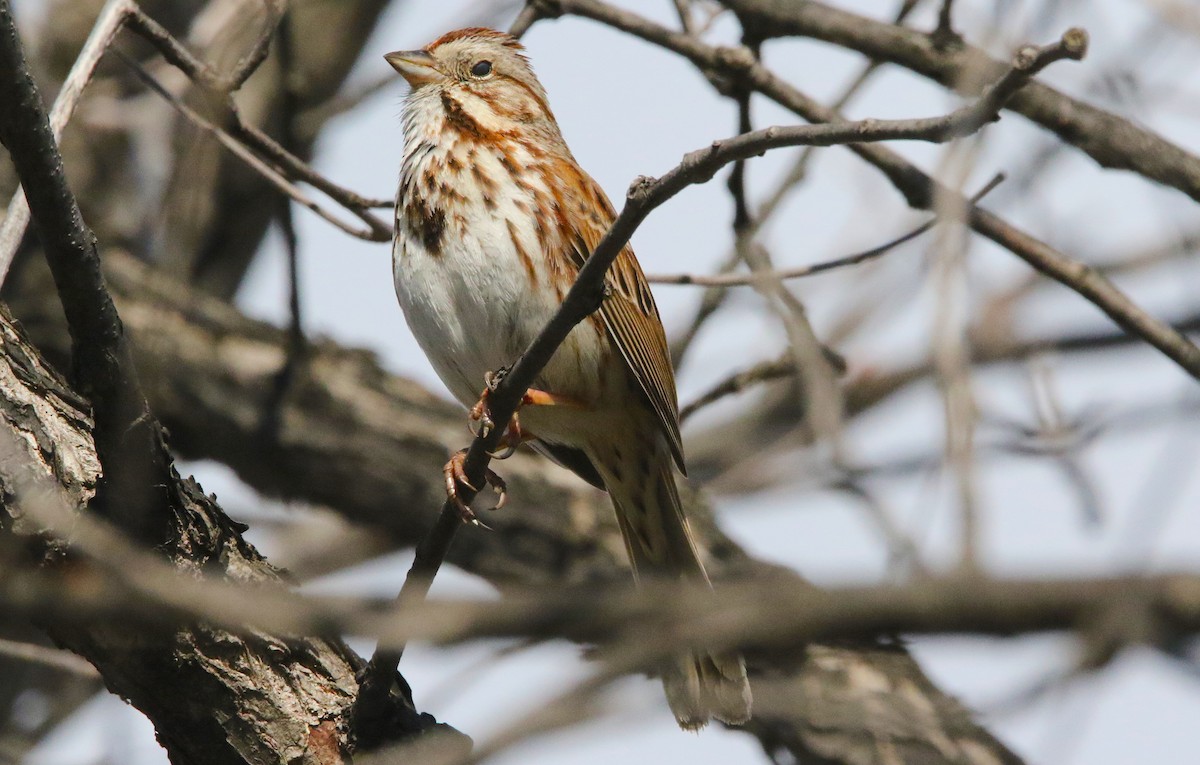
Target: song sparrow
{"x": 493, "y": 220}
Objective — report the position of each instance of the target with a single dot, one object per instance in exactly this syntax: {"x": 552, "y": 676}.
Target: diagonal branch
{"x": 376, "y": 231}
{"x": 112, "y": 17}
{"x": 250, "y": 142}
{"x": 918, "y": 188}
{"x": 585, "y": 295}
{"x": 128, "y": 438}
{"x": 1110, "y": 140}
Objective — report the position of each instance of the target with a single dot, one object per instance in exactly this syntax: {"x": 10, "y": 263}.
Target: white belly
{"x": 476, "y": 300}
{"x": 464, "y": 309}
{"x": 472, "y": 310}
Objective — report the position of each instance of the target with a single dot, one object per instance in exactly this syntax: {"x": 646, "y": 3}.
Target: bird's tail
{"x": 700, "y": 684}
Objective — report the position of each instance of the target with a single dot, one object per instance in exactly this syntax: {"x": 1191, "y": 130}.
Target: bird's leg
{"x": 481, "y": 412}
{"x": 513, "y": 435}
{"x": 455, "y": 474}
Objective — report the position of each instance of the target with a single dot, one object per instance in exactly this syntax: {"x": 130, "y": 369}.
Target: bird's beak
{"x": 416, "y": 66}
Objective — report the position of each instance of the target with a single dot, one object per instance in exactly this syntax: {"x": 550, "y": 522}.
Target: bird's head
{"x": 479, "y": 78}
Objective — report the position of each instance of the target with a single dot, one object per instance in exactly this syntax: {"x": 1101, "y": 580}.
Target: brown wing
{"x": 629, "y": 312}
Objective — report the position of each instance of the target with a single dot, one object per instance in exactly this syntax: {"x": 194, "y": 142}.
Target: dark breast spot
{"x": 425, "y": 223}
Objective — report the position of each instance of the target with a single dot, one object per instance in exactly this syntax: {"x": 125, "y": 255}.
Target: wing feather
{"x": 629, "y": 312}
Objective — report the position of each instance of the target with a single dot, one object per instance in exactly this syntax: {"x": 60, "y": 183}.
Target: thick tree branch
{"x": 252, "y": 696}
{"x": 369, "y": 445}
{"x": 128, "y": 438}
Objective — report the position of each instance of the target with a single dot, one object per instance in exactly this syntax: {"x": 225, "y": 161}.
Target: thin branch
{"x": 763, "y": 371}
{"x": 203, "y": 75}
{"x": 774, "y": 370}
{"x": 377, "y": 230}
{"x": 944, "y": 37}
{"x": 112, "y": 17}
{"x": 48, "y": 657}
{"x": 683, "y": 9}
{"x": 528, "y": 16}
{"x": 713, "y": 299}
{"x": 128, "y": 437}
{"x": 1110, "y": 140}
{"x": 815, "y": 377}
{"x": 249, "y": 63}
{"x": 951, "y": 353}
{"x": 741, "y": 280}
{"x": 918, "y": 188}
{"x": 199, "y": 71}
{"x": 769, "y": 611}
{"x": 297, "y": 343}
{"x": 585, "y": 296}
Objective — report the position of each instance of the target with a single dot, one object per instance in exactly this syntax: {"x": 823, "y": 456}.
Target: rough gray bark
{"x": 250, "y": 697}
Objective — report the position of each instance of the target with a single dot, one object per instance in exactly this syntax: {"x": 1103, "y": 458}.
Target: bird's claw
{"x": 481, "y": 414}
{"x": 510, "y": 441}
{"x": 456, "y": 475}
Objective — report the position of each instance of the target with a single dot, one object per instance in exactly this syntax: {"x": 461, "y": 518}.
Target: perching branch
{"x": 918, "y": 188}
{"x": 586, "y": 293}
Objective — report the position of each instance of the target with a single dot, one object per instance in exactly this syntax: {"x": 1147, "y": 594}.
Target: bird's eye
{"x": 481, "y": 69}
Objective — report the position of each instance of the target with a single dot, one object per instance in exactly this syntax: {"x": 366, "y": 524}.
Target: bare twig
{"x": 112, "y": 17}
{"x": 816, "y": 378}
{"x": 249, "y": 63}
{"x": 740, "y": 280}
{"x": 683, "y": 9}
{"x": 951, "y": 354}
{"x": 297, "y": 343}
{"x": 1110, "y": 140}
{"x": 376, "y": 231}
{"x": 528, "y": 16}
{"x": 50, "y": 657}
{"x": 774, "y": 370}
{"x": 713, "y": 298}
{"x": 585, "y": 296}
{"x": 738, "y": 382}
{"x": 944, "y": 35}
{"x": 250, "y": 137}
